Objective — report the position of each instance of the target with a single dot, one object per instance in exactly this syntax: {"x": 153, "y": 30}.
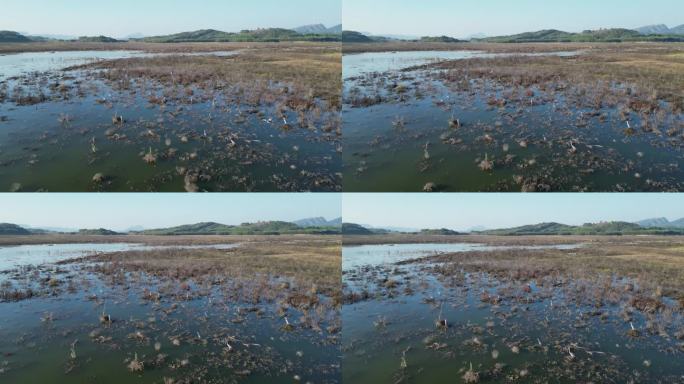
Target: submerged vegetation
{"x": 607, "y": 309}
{"x": 201, "y": 117}
{"x": 266, "y": 310}
{"x": 514, "y": 117}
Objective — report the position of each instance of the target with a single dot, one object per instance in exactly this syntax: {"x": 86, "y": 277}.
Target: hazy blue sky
{"x": 150, "y": 17}
{"x": 464, "y": 211}
{"x": 121, "y": 211}
{"x": 461, "y": 18}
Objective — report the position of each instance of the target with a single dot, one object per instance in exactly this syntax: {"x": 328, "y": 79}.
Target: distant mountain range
{"x": 358, "y": 37}
{"x": 660, "y": 29}
{"x": 13, "y": 229}
{"x": 606, "y": 228}
{"x": 658, "y": 226}
{"x": 656, "y": 33}
{"x": 308, "y": 226}
{"x": 97, "y": 39}
{"x": 318, "y": 29}
{"x": 316, "y": 32}
{"x": 260, "y": 228}
{"x": 98, "y": 232}
{"x": 355, "y": 229}
{"x": 319, "y": 222}
{"x": 16, "y": 37}
{"x": 439, "y": 39}
{"x": 661, "y": 222}
{"x": 612, "y": 35}
{"x": 13, "y": 37}
{"x": 133, "y": 36}
{"x": 46, "y": 37}
{"x": 320, "y": 225}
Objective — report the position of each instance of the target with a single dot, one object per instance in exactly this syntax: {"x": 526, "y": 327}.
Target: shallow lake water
{"x": 398, "y": 134}
{"x": 26, "y": 255}
{"x": 199, "y": 329}
{"x": 17, "y": 64}
{"x": 65, "y": 131}
{"x": 495, "y": 330}
{"x": 364, "y": 63}
{"x": 375, "y": 255}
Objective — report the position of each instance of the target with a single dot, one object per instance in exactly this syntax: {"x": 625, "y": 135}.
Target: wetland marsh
{"x": 513, "y": 117}
{"x": 200, "y": 309}
{"x": 170, "y": 117}
{"x": 487, "y": 309}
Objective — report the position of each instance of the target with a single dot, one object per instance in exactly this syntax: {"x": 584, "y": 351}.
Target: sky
{"x": 462, "y": 212}
{"x": 463, "y": 18}
{"x": 126, "y": 210}
{"x": 122, "y": 18}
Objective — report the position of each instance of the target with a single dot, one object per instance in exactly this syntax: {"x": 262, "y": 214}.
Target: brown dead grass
{"x": 312, "y": 70}
{"x": 655, "y": 69}
{"x": 654, "y": 261}
{"x": 309, "y": 260}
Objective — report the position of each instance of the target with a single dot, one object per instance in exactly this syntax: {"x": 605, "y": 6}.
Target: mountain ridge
{"x": 660, "y": 29}
{"x": 319, "y": 222}
{"x": 609, "y": 35}
{"x": 320, "y": 29}
{"x": 256, "y": 35}
{"x": 661, "y": 222}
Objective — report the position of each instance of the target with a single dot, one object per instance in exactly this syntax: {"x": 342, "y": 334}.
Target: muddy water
{"x": 541, "y": 143}
{"x": 536, "y": 331}
{"x": 58, "y": 131}
{"x": 201, "y": 331}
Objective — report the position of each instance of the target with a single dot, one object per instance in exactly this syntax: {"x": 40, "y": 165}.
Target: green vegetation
{"x": 12, "y": 229}
{"x": 355, "y": 37}
{"x": 614, "y": 35}
{"x": 258, "y": 35}
{"x": 439, "y": 232}
{"x": 96, "y": 39}
{"x": 605, "y": 228}
{"x": 438, "y": 39}
{"x": 13, "y": 37}
{"x": 355, "y": 229}
{"x": 98, "y": 232}
{"x": 261, "y": 228}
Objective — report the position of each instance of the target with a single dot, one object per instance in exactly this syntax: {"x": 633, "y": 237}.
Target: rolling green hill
{"x": 12, "y": 229}
{"x": 355, "y": 37}
{"x": 440, "y": 232}
{"x": 258, "y": 35}
{"x": 438, "y": 39}
{"x": 261, "y": 228}
{"x": 605, "y": 228}
{"x": 97, "y": 232}
{"x": 355, "y": 229}
{"x": 96, "y": 39}
{"x": 13, "y": 37}
{"x": 601, "y": 35}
